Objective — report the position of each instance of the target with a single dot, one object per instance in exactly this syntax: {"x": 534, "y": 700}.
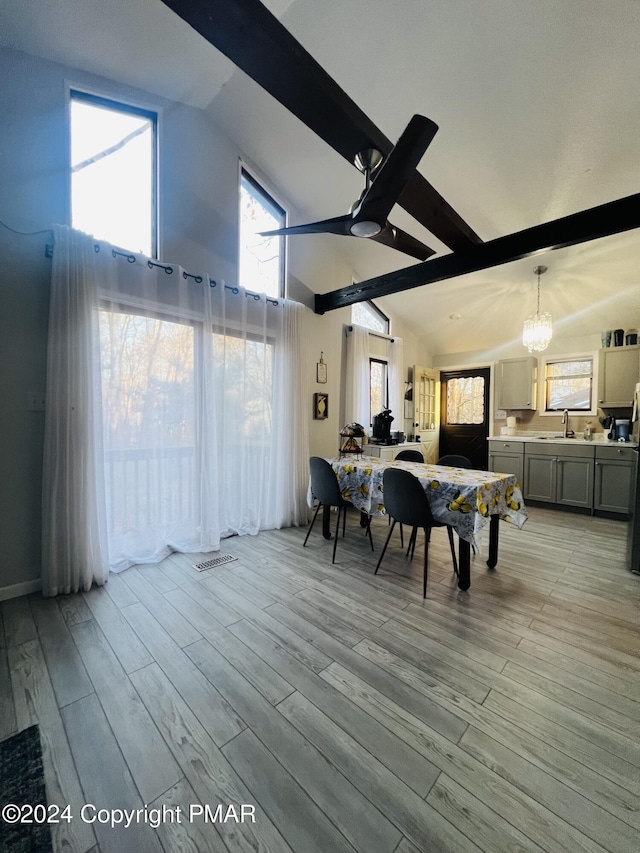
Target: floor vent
{"x": 212, "y": 564}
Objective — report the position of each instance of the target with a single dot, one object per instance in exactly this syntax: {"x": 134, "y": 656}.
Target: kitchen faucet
{"x": 565, "y": 422}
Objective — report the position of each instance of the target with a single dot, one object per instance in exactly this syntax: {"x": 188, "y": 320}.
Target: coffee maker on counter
{"x": 619, "y": 429}
{"x": 382, "y": 427}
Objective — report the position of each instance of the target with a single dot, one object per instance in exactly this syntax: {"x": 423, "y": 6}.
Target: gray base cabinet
{"x": 598, "y": 478}
{"x": 559, "y": 474}
{"x": 540, "y": 477}
{"x": 574, "y": 481}
{"x": 507, "y": 457}
{"x": 615, "y": 470}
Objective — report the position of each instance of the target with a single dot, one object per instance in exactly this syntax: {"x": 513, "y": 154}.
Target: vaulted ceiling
{"x": 537, "y": 105}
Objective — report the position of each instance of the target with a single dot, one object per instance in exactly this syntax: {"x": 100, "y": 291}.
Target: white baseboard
{"x": 18, "y": 589}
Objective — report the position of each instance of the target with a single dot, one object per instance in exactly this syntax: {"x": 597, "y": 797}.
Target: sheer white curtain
{"x": 395, "y": 352}
{"x": 357, "y": 401}
{"x": 74, "y": 552}
{"x": 202, "y": 394}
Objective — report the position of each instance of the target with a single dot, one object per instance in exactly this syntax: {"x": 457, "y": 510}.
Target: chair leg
{"x": 453, "y": 550}
{"x": 385, "y": 546}
{"x": 427, "y": 537}
{"x": 369, "y": 532}
{"x": 335, "y": 538}
{"x": 344, "y": 519}
{"x": 401, "y": 538}
{"x": 412, "y": 543}
{"x": 313, "y": 521}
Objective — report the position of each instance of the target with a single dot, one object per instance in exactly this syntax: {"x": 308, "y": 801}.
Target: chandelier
{"x": 536, "y": 333}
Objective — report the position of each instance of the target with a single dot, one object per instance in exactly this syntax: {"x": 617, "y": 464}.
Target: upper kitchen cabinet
{"x": 618, "y": 372}
{"x": 517, "y": 380}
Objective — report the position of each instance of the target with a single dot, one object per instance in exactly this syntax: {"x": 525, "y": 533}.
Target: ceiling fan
{"x": 384, "y": 182}
{"x": 254, "y": 39}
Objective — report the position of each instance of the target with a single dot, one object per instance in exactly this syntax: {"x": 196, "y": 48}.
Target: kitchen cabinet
{"x": 507, "y": 457}
{"x": 388, "y": 452}
{"x": 615, "y": 470}
{"x": 516, "y": 380}
{"x": 560, "y": 474}
{"x": 618, "y": 372}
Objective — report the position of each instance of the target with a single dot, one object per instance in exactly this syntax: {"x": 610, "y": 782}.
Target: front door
{"x": 464, "y": 415}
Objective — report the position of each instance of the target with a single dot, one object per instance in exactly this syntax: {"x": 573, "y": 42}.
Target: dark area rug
{"x": 22, "y": 782}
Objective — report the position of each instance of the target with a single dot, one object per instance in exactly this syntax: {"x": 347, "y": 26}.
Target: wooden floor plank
{"x": 190, "y": 833}
{"x": 181, "y": 631}
{"x": 490, "y": 788}
{"x": 402, "y": 805}
{"x": 68, "y": 675}
{"x": 110, "y": 784}
{"x": 578, "y": 811}
{"x": 19, "y": 626}
{"x": 8, "y": 723}
{"x": 212, "y": 710}
{"x": 147, "y": 756}
{"x": 211, "y": 776}
{"x": 35, "y": 703}
{"x": 306, "y": 827}
{"x": 504, "y": 718}
{"x": 335, "y": 795}
{"x": 443, "y": 721}
{"x": 130, "y": 651}
{"x": 417, "y": 773}
{"x": 489, "y": 831}
{"x": 260, "y": 675}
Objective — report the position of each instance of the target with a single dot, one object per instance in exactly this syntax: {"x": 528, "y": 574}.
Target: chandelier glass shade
{"x": 537, "y": 330}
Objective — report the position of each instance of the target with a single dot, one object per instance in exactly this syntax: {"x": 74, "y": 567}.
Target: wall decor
{"x": 320, "y": 406}
{"x": 321, "y": 371}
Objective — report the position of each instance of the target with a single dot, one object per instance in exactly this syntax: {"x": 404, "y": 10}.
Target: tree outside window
{"x": 261, "y": 259}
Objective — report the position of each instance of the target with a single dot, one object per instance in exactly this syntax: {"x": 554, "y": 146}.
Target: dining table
{"x": 463, "y": 498}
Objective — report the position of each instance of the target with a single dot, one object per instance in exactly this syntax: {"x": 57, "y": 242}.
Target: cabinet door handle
{"x": 597, "y": 463}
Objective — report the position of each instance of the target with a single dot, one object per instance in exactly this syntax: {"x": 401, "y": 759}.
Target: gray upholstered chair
{"x": 325, "y": 488}
{"x": 406, "y": 502}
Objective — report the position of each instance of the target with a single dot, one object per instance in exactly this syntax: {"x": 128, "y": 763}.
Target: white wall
{"x": 198, "y": 228}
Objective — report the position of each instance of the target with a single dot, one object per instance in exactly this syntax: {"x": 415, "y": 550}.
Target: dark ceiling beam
{"x": 253, "y": 39}
{"x": 602, "y": 221}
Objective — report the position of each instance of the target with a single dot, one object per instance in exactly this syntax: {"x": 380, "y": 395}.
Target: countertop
{"x": 598, "y": 440}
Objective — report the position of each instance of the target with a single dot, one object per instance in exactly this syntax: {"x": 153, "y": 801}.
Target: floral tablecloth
{"x": 461, "y": 497}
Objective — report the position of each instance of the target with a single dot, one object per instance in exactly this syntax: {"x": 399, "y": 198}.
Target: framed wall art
{"x": 320, "y": 406}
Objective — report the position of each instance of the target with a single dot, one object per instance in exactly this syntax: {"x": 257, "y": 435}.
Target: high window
{"x": 568, "y": 385}
{"x": 378, "y": 385}
{"x": 370, "y": 316}
{"x": 261, "y": 259}
{"x": 113, "y": 172}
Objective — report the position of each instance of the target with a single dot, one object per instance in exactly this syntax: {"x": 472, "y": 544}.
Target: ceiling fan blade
{"x": 252, "y": 38}
{"x": 397, "y": 169}
{"x": 339, "y": 225}
{"x": 398, "y": 239}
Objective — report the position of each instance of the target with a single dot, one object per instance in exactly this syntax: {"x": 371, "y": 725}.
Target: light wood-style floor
{"x": 353, "y": 714}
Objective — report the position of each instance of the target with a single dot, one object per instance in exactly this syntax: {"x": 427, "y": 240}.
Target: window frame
{"x": 544, "y": 401}
{"x": 385, "y": 403}
{"x": 384, "y": 318}
{"x": 81, "y": 93}
{"x": 260, "y": 185}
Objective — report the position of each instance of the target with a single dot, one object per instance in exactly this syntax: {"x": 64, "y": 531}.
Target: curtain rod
{"x": 168, "y": 268}
{"x": 376, "y": 334}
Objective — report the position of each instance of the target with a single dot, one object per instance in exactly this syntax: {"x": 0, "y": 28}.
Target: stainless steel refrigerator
{"x": 633, "y": 538}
